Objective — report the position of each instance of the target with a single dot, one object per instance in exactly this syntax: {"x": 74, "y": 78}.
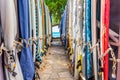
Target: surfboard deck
{"x": 83, "y": 37}
{"x": 94, "y": 37}
{"x": 79, "y": 51}
{"x": 1, "y": 57}
{"x": 106, "y": 23}
{"x": 26, "y": 59}
{"x": 88, "y": 56}
{"x": 34, "y": 28}
{"x": 105, "y": 6}
{"x": 9, "y": 20}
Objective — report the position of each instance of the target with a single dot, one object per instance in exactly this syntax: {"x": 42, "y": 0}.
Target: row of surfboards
{"x": 85, "y": 34}
{"x": 25, "y": 35}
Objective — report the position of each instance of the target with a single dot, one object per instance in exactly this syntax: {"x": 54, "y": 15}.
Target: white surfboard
{"x": 94, "y": 36}
{"x": 1, "y": 57}
{"x": 33, "y": 23}
{"x": 9, "y": 25}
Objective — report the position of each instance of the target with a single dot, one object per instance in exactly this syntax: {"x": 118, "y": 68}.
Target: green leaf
{"x": 56, "y": 8}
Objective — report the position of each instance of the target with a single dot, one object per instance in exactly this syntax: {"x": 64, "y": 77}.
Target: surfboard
{"x": 63, "y": 28}
{"x": 26, "y": 60}
{"x": 101, "y": 33}
{"x": 46, "y": 22}
{"x": 88, "y": 56}
{"x": 38, "y": 31}
{"x": 1, "y": 69}
{"x": 1, "y": 57}
{"x": 69, "y": 27}
{"x": 37, "y": 57}
{"x": 80, "y": 37}
{"x": 83, "y": 37}
{"x": 94, "y": 37}
{"x": 74, "y": 55}
{"x": 40, "y": 24}
{"x": 105, "y": 6}
{"x": 106, "y": 23}
{"x": 33, "y": 27}
{"x": 43, "y": 22}
{"x": 9, "y": 25}
{"x": 30, "y": 22}
{"x": 71, "y": 23}
{"x": 76, "y": 36}
{"x": 42, "y": 29}
{"x": 50, "y": 30}
{"x": 79, "y": 51}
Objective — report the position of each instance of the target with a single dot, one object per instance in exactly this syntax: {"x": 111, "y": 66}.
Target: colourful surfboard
{"x": 41, "y": 34}
{"x": 79, "y": 50}
{"x": 43, "y": 23}
{"x": 88, "y": 56}
{"x": 38, "y": 31}
{"x": 80, "y": 37}
{"x": 105, "y": 6}
{"x": 37, "y": 57}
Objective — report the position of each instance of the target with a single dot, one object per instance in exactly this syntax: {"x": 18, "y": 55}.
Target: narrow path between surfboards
{"x": 55, "y": 65}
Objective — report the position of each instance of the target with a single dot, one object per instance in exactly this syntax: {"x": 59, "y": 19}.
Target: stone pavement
{"x": 55, "y": 65}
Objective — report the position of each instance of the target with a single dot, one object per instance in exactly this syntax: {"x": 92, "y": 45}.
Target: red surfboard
{"x": 105, "y": 10}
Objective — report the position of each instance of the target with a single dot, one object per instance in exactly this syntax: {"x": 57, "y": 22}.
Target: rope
{"x": 106, "y": 52}
{"x": 92, "y": 47}
{"x": 20, "y": 44}
{"x": 16, "y": 45}
{"x": 2, "y": 48}
{"x": 9, "y": 56}
{"x": 81, "y": 42}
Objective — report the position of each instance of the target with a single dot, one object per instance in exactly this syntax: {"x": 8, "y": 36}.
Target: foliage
{"x": 56, "y": 8}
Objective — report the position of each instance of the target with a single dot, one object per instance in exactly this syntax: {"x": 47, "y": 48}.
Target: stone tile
{"x": 65, "y": 74}
{"x": 49, "y": 71}
{"x": 66, "y": 79}
{"x": 56, "y": 65}
{"x": 48, "y": 66}
{"x": 44, "y": 76}
{"x": 54, "y": 75}
{"x": 60, "y": 70}
{"x": 53, "y": 79}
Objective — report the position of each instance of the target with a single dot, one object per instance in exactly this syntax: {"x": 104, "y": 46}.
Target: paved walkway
{"x": 55, "y": 65}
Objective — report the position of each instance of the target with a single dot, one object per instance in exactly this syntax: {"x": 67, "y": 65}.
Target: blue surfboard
{"x": 88, "y": 56}
{"x": 26, "y": 60}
